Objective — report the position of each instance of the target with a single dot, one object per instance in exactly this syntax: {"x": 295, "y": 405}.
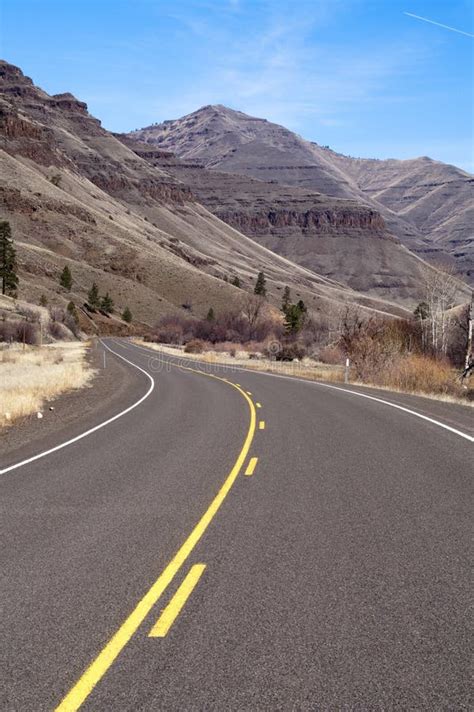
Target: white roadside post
{"x": 346, "y": 372}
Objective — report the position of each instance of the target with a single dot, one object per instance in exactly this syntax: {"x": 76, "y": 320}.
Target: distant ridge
{"x": 427, "y": 204}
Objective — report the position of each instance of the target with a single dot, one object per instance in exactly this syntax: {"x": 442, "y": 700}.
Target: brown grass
{"x": 31, "y": 377}
{"x": 245, "y": 358}
{"x": 415, "y": 375}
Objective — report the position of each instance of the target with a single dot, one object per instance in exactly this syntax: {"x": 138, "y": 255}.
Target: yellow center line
{"x": 259, "y": 405}
{"x": 248, "y": 393}
{"x": 251, "y": 466}
{"x": 174, "y": 607}
{"x": 261, "y": 425}
{"x": 99, "y": 666}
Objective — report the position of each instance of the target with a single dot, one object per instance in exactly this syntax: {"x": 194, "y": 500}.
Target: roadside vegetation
{"x": 32, "y": 376}
{"x": 427, "y": 353}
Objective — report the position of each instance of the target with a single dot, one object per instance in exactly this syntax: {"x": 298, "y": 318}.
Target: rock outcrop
{"x": 426, "y": 204}
{"x": 133, "y": 220}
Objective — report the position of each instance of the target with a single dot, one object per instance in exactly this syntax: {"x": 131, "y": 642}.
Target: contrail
{"x": 432, "y": 22}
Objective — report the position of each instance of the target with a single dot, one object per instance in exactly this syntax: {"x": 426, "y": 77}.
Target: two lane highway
{"x": 333, "y": 575}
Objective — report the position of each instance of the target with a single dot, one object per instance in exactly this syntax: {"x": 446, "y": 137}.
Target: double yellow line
{"x": 97, "y": 669}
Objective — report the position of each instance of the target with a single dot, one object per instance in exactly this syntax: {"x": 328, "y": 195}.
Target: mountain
{"x": 75, "y": 194}
{"x": 426, "y": 204}
{"x": 341, "y": 239}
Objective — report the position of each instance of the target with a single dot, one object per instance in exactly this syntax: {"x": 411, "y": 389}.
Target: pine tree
{"x": 422, "y": 311}
{"x": 127, "y": 315}
{"x": 236, "y": 282}
{"x": 285, "y": 302}
{"x": 210, "y": 315}
{"x": 107, "y": 304}
{"x": 71, "y": 309}
{"x": 260, "y": 287}
{"x": 93, "y": 298}
{"x": 65, "y": 279}
{"x": 295, "y": 315}
{"x": 8, "y": 263}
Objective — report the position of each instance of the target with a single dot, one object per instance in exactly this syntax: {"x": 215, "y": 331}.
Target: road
{"x": 142, "y": 569}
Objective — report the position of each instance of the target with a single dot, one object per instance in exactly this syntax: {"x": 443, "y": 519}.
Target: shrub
{"x": 127, "y": 315}
{"x": 21, "y": 331}
{"x": 58, "y": 330}
{"x": 422, "y": 373}
{"x": 331, "y": 355}
{"x": 284, "y": 351}
{"x": 196, "y": 346}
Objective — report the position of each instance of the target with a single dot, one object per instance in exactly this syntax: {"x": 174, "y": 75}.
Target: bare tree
{"x": 440, "y": 288}
{"x": 252, "y": 309}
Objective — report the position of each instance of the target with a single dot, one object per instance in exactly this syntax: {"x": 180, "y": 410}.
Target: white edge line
{"x": 470, "y": 438}
{"x": 96, "y": 427}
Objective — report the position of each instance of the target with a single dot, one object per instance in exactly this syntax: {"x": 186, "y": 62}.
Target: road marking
{"x": 251, "y": 466}
{"x": 248, "y": 393}
{"x": 261, "y": 425}
{"x": 99, "y": 666}
{"x": 307, "y": 381}
{"x": 259, "y": 405}
{"x": 174, "y": 607}
{"x": 461, "y": 434}
{"x": 96, "y": 427}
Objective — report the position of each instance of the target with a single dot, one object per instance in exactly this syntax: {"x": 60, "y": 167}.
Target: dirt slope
{"x": 77, "y": 195}
{"x": 428, "y": 205}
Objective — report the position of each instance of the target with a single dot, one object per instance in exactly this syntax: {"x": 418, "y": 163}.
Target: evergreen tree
{"x": 422, "y": 311}
{"x": 210, "y": 315}
{"x": 65, "y": 279}
{"x": 127, "y": 315}
{"x": 93, "y": 298}
{"x": 260, "y": 287}
{"x": 236, "y": 282}
{"x": 43, "y": 300}
{"x": 8, "y": 265}
{"x": 71, "y": 309}
{"x": 285, "y": 302}
{"x": 295, "y": 316}
{"x": 107, "y": 304}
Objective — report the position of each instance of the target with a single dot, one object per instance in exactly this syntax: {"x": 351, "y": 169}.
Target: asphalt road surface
{"x": 142, "y": 569}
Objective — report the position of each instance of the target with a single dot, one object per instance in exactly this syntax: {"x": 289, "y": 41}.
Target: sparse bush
{"x": 58, "y": 330}
{"x": 25, "y": 332}
{"x": 196, "y": 346}
{"x": 284, "y": 351}
{"x": 331, "y": 355}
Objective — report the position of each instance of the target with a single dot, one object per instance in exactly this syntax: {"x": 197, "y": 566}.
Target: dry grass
{"x": 415, "y": 375}
{"x": 243, "y": 358}
{"x": 31, "y": 377}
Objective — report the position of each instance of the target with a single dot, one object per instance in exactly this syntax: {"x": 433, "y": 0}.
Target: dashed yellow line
{"x": 248, "y": 393}
{"x": 259, "y": 405}
{"x": 106, "y": 657}
{"x": 174, "y": 607}
{"x": 261, "y": 425}
{"x": 251, "y": 466}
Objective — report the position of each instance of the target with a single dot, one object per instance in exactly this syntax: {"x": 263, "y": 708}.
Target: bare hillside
{"x": 428, "y": 205}
{"x": 77, "y": 195}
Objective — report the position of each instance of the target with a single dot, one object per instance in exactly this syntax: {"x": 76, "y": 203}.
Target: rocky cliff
{"x": 426, "y": 204}
{"x": 76, "y": 195}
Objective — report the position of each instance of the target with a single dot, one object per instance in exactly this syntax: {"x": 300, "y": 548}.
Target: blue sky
{"x": 358, "y": 75}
